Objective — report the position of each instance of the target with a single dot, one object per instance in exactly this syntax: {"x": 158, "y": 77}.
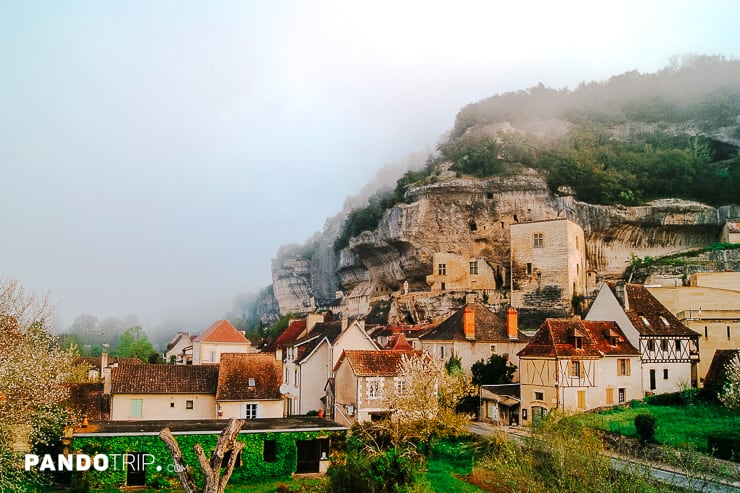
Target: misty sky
{"x": 155, "y": 154}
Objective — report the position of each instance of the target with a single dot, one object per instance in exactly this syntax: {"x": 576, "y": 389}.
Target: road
{"x": 663, "y": 473}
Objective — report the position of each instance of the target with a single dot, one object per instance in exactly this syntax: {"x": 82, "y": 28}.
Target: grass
{"x": 687, "y": 426}
{"x": 448, "y": 462}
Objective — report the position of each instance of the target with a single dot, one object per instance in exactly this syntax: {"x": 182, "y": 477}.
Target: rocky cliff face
{"x": 470, "y": 216}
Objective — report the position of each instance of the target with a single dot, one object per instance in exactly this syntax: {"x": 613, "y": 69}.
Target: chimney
{"x": 312, "y": 319}
{"x": 621, "y": 292}
{"x": 512, "y": 323}
{"x": 345, "y": 323}
{"x": 469, "y": 322}
{"x": 104, "y": 358}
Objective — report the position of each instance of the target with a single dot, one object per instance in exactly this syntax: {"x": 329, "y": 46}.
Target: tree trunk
{"x": 214, "y": 482}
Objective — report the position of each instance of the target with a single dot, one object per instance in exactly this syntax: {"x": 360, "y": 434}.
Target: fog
{"x": 155, "y": 155}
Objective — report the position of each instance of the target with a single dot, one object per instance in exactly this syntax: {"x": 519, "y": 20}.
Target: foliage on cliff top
{"x": 634, "y": 138}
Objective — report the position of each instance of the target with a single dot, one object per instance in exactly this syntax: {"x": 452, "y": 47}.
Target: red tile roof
{"x": 377, "y": 363}
{"x": 164, "y": 379}
{"x": 238, "y": 368}
{"x": 398, "y": 342}
{"x": 555, "y": 338}
{"x": 220, "y": 331}
{"x": 289, "y": 335}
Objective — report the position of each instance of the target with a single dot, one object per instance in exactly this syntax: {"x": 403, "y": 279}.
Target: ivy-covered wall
{"x": 161, "y": 473}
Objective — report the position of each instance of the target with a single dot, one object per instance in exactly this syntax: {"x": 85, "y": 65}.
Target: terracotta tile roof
{"x": 288, "y": 336}
{"x": 220, "y": 331}
{"x": 377, "y": 363}
{"x": 164, "y": 379}
{"x": 88, "y": 400}
{"x": 238, "y": 370}
{"x": 648, "y": 315}
{"x": 398, "y": 342}
{"x": 488, "y": 327}
{"x": 716, "y": 373}
{"x": 555, "y": 338}
{"x": 95, "y": 361}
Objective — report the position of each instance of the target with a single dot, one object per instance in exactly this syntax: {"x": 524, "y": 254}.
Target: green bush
{"x": 645, "y": 426}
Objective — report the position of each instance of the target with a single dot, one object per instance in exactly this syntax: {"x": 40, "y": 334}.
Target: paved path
{"x": 661, "y": 472}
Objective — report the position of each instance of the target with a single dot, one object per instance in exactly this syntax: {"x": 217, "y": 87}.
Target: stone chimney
{"x": 469, "y": 322}
{"x": 512, "y": 323}
{"x": 345, "y": 323}
{"x": 104, "y": 358}
{"x": 621, "y": 292}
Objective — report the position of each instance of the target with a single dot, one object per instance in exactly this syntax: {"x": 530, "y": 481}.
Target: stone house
{"x": 709, "y": 306}
{"x": 179, "y": 350}
{"x": 669, "y": 350}
{"x": 473, "y": 333}
{"x": 457, "y": 272}
{"x": 548, "y": 265}
{"x": 309, "y": 361}
{"x": 576, "y": 365}
{"x": 162, "y": 392}
{"x": 730, "y": 232}
{"x": 500, "y": 404}
{"x": 361, "y": 380}
{"x": 249, "y": 386}
{"x": 221, "y": 337}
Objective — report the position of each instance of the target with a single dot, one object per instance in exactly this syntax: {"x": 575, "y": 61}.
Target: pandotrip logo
{"x": 101, "y": 462}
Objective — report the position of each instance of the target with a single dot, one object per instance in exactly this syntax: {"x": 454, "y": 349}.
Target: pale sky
{"x": 155, "y": 154}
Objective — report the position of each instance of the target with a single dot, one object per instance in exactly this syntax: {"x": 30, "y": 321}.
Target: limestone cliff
{"x": 472, "y": 216}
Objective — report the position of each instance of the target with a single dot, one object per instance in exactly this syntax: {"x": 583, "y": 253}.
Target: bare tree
{"x": 214, "y": 481}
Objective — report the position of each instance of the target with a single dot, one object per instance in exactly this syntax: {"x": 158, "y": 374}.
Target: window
{"x": 706, "y": 332}
{"x": 172, "y": 404}
{"x": 136, "y": 407}
{"x": 652, "y": 379}
{"x": 576, "y": 369}
{"x": 678, "y": 344}
{"x": 651, "y": 345}
{"x": 665, "y": 322}
{"x": 645, "y": 321}
{"x": 442, "y": 269}
{"x": 295, "y": 377}
{"x": 623, "y": 367}
{"x": 373, "y": 389}
{"x": 665, "y": 373}
{"x": 188, "y": 404}
{"x": 581, "y": 399}
{"x": 610, "y": 395}
{"x": 539, "y": 396}
{"x": 622, "y": 395}
{"x": 529, "y": 268}
{"x": 250, "y": 411}
{"x": 250, "y": 382}
{"x": 227, "y": 458}
{"x": 474, "y": 267}
{"x": 728, "y": 332}
{"x": 578, "y": 342}
{"x": 442, "y": 352}
{"x": 213, "y": 356}
{"x": 489, "y": 195}
{"x": 400, "y": 384}
{"x": 538, "y": 240}
{"x": 442, "y": 287}
{"x": 269, "y": 451}
{"x": 664, "y": 344}
{"x": 614, "y": 340}
{"x": 493, "y": 349}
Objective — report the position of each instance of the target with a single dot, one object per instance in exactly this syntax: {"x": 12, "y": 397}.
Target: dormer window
{"x": 251, "y": 382}
{"x": 644, "y": 321}
{"x": 665, "y": 322}
{"x": 614, "y": 340}
{"x": 578, "y": 342}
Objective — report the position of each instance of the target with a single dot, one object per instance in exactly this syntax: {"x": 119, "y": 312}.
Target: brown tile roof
{"x": 180, "y": 335}
{"x": 488, "y": 327}
{"x": 88, "y": 400}
{"x": 716, "y": 373}
{"x": 377, "y": 363}
{"x": 95, "y": 361}
{"x": 220, "y": 331}
{"x": 555, "y": 338}
{"x": 326, "y": 330}
{"x": 164, "y": 379}
{"x": 238, "y": 368}
{"x": 648, "y": 315}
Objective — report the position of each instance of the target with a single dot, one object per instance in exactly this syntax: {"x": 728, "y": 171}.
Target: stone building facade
{"x": 548, "y": 265}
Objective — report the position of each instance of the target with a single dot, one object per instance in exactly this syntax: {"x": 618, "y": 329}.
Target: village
{"x": 329, "y": 371}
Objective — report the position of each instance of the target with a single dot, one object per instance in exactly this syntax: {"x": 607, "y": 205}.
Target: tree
{"x": 33, "y": 370}
{"x": 214, "y": 481}
{"x": 497, "y": 370}
{"x": 134, "y": 343}
{"x": 730, "y": 395}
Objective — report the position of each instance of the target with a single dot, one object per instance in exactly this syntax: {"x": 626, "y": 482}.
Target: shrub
{"x": 645, "y": 426}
